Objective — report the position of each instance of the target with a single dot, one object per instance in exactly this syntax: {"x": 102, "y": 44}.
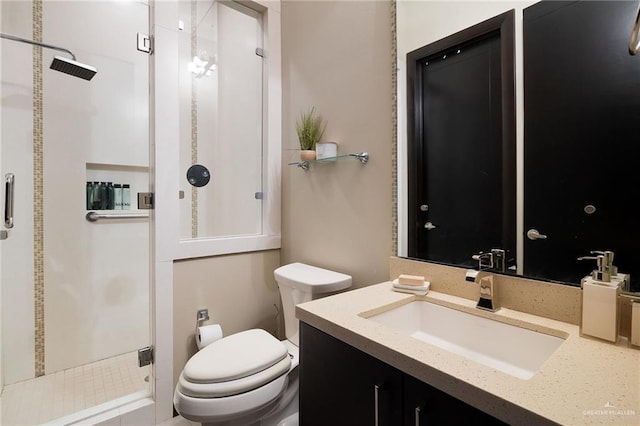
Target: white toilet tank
{"x": 300, "y": 283}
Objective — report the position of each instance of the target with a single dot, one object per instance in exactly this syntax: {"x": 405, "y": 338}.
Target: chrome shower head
{"x": 65, "y": 65}
{"x": 74, "y": 68}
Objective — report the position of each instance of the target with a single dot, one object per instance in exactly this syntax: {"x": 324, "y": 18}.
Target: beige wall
{"x": 337, "y": 57}
{"x": 239, "y": 291}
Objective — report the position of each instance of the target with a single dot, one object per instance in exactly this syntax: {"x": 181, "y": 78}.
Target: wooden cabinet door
{"x": 425, "y": 405}
{"x": 338, "y": 384}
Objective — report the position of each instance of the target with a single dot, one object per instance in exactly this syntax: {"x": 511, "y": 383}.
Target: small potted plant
{"x": 310, "y": 129}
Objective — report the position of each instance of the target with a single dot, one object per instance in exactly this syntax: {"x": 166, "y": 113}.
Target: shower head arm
{"x": 37, "y": 43}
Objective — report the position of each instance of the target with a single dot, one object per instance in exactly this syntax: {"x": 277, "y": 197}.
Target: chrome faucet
{"x": 494, "y": 260}
{"x": 485, "y": 260}
{"x": 488, "y": 299}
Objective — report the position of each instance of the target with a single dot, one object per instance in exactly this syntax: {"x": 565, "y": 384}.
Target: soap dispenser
{"x": 601, "y": 299}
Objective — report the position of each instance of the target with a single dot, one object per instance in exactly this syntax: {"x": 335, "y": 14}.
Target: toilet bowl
{"x": 250, "y": 377}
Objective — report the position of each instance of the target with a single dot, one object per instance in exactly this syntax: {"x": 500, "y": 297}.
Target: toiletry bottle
{"x": 117, "y": 196}
{"x": 110, "y": 196}
{"x": 96, "y": 196}
{"x": 634, "y": 339}
{"x": 601, "y": 299}
{"x": 89, "y": 195}
{"x": 126, "y": 196}
{"x": 103, "y": 195}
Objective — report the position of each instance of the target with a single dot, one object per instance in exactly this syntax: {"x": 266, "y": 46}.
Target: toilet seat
{"x": 233, "y": 387}
{"x": 235, "y": 364}
{"x": 246, "y": 405}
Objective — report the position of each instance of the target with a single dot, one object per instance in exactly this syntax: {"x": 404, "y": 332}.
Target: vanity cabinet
{"x": 341, "y": 385}
{"x": 426, "y": 405}
{"x": 338, "y": 384}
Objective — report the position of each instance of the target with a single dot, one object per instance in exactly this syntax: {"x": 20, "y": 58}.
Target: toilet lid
{"x": 236, "y": 356}
{"x": 274, "y": 376}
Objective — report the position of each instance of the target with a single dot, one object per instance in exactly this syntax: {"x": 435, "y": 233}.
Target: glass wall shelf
{"x": 304, "y": 165}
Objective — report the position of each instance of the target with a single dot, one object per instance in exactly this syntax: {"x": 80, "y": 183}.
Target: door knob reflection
{"x": 533, "y": 234}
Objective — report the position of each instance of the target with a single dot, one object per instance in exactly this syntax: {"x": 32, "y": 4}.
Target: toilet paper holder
{"x": 206, "y": 334}
{"x": 201, "y": 315}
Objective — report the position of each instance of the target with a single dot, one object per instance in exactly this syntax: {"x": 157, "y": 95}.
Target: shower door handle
{"x": 9, "y": 180}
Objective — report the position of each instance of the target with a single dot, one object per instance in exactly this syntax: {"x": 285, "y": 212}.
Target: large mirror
{"x": 461, "y": 147}
{"x": 577, "y": 107}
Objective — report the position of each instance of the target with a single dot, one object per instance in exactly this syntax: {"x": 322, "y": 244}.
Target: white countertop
{"x": 585, "y": 381}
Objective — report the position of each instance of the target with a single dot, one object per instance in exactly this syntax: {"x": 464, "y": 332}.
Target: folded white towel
{"x": 413, "y": 289}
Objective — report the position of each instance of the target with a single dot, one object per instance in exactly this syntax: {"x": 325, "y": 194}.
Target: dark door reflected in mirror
{"x": 581, "y": 142}
{"x": 581, "y": 138}
{"x": 461, "y": 145}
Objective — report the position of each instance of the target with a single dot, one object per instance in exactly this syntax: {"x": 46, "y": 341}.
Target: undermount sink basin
{"x": 513, "y": 350}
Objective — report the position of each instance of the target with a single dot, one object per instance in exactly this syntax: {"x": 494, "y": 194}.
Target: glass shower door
{"x": 75, "y": 264}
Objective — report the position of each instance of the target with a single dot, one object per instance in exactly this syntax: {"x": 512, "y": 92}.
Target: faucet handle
{"x": 485, "y": 260}
{"x": 491, "y": 260}
{"x": 499, "y": 261}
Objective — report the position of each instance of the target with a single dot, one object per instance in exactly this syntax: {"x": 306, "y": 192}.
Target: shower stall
{"x": 74, "y": 273}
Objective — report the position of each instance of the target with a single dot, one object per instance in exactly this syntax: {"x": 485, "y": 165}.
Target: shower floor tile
{"x": 43, "y": 399}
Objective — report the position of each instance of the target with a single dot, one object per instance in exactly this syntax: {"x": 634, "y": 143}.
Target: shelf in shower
{"x": 118, "y": 167}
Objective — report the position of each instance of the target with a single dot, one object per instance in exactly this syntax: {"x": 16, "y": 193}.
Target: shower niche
{"x": 114, "y": 186}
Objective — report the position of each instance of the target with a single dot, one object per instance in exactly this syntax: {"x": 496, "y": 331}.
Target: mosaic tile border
{"x": 194, "y": 117}
{"x": 394, "y": 131}
{"x": 38, "y": 190}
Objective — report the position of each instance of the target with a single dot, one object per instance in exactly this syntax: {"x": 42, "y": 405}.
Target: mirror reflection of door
{"x": 461, "y": 151}
{"x": 582, "y": 109}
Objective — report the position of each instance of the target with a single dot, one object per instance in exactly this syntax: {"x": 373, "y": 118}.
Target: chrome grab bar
{"x": 94, "y": 216}
{"x": 9, "y": 181}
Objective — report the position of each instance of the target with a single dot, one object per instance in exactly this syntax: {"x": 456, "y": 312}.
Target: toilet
{"x": 250, "y": 377}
